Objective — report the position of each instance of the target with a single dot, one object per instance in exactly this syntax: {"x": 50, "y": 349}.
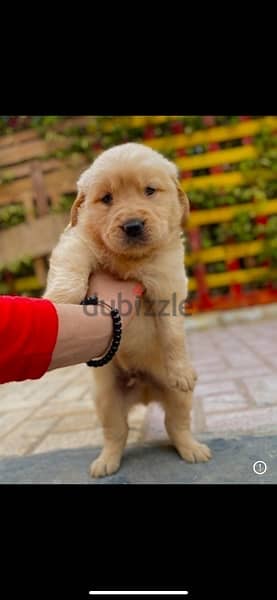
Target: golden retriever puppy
{"x": 127, "y": 219}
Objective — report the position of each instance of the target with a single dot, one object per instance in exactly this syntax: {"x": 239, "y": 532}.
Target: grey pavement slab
{"x": 232, "y": 462}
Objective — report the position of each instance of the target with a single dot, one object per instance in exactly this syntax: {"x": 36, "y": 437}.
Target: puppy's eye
{"x": 149, "y": 191}
{"x": 107, "y": 198}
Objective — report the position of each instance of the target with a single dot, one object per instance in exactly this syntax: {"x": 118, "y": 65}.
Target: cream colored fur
{"x": 152, "y": 360}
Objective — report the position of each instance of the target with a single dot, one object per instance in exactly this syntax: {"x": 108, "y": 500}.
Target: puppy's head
{"x": 130, "y": 200}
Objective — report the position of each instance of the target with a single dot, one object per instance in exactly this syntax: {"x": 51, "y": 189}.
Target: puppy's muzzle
{"x": 133, "y": 228}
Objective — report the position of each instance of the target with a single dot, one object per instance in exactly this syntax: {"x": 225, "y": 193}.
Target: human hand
{"x": 118, "y": 293}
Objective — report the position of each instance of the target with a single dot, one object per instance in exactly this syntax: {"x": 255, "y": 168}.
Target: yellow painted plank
{"x": 213, "y": 280}
{"x": 220, "y": 215}
{"x": 215, "y": 134}
{"x": 225, "y": 253}
{"x": 230, "y": 277}
{"x": 135, "y": 121}
{"x": 220, "y": 180}
{"x": 23, "y": 284}
{"x": 240, "y": 276}
{"x": 224, "y": 179}
{"x": 27, "y": 283}
{"x": 221, "y": 157}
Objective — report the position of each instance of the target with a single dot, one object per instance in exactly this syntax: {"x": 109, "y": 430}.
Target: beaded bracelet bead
{"x": 117, "y": 328}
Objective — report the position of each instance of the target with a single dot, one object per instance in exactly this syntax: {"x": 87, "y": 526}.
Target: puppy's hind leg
{"x": 177, "y": 407}
{"x": 112, "y": 411}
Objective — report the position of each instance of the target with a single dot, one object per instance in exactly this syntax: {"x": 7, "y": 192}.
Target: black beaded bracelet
{"x": 99, "y": 362}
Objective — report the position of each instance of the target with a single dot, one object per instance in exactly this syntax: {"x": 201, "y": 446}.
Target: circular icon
{"x": 260, "y": 467}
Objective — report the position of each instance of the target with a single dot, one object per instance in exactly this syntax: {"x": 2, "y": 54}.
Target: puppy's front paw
{"x": 104, "y": 465}
{"x": 182, "y": 379}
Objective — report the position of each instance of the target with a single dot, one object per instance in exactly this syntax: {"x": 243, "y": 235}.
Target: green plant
{"x": 265, "y": 139}
{"x": 206, "y": 237}
{"x": 64, "y": 204}
{"x": 216, "y": 267}
{"x": 19, "y": 268}
{"x": 243, "y": 228}
{"x": 271, "y": 228}
{"x": 11, "y": 215}
{"x": 213, "y": 197}
{"x": 6, "y": 177}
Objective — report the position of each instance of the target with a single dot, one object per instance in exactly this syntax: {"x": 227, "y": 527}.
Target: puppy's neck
{"x": 124, "y": 267}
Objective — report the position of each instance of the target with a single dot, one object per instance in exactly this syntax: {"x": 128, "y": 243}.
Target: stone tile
{"x": 243, "y": 360}
{"x": 78, "y": 439}
{"x": 230, "y": 374}
{"x": 74, "y": 439}
{"x": 77, "y": 422}
{"x": 267, "y": 350}
{"x": 10, "y": 404}
{"x": 224, "y": 402}
{"x": 14, "y": 390}
{"x": 71, "y": 392}
{"x": 45, "y": 391}
{"x": 204, "y": 368}
{"x": 244, "y": 314}
{"x": 247, "y": 315}
{"x": 209, "y": 361}
{"x": 20, "y": 441}
{"x": 201, "y": 321}
{"x": 215, "y": 387}
{"x": 263, "y": 390}
{"x": 252, "y": 420}
{"x": 63, "y": 409}
{"x": 85, "y": 397}
{"x": 8, "y": 421}
{"x": 66, "y": 374}
{"x": 271, "y": 361}
{"x": 202, "y": 357}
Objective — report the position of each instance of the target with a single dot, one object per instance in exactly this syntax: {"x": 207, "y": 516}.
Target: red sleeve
{"x": 28, "y": 334}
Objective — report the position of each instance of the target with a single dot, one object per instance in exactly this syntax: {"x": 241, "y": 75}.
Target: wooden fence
{"x": 33, "y": 179}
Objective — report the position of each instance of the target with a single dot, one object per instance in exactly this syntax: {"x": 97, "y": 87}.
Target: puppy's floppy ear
{"x": 184, "y": 201}
{"x": 74, "y": 209}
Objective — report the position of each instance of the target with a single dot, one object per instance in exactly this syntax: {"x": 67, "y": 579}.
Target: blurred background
{"x": 227, "y": 165}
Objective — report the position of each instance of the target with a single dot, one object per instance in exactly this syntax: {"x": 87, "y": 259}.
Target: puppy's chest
{"x": 140, "y": 344}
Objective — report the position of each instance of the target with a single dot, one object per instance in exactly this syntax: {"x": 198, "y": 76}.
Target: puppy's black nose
{"x": 133, "y": 228}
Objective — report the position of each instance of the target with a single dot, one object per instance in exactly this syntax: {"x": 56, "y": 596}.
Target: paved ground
{"x": 232, "y": 463}
{"x": 236, "y": 393}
